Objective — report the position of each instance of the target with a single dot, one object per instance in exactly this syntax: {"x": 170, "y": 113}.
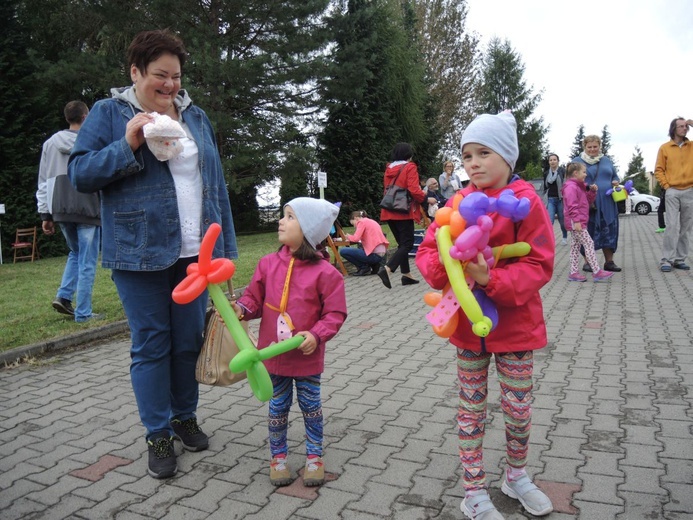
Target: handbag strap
{"x": 396, "y": 177}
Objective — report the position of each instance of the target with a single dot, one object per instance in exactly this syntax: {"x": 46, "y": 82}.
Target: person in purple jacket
{"x": 297, "y": 291}
{"x": 577, "y": 197}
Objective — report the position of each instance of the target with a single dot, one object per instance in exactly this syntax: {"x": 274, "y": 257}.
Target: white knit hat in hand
{"x": 163, "y": 136}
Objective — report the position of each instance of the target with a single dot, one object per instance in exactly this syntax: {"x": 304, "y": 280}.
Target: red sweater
{"x": 515, "y": 282}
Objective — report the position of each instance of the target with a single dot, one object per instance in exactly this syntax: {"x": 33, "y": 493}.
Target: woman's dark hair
{"x": 553, "y": 155}
{"x": 672, "y": 127}
{"x": 148, "y": 46}
{"x": 402, "y": 152}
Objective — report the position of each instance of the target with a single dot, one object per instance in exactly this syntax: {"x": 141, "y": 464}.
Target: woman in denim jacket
{"x": 154, "y": 215}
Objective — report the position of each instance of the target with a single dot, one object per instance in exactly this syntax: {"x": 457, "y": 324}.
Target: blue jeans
{"x": 166, "y": 340}
{"x": 555, "y": 206}
{"x": 358, "y": 257}
{"x": 80, "y": 269}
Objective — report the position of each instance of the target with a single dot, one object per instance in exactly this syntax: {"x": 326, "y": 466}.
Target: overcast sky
{"x": 625, "y": 64}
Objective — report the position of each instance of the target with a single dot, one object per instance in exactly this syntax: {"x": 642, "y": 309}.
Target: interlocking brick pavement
{"x": 612, "y": 427}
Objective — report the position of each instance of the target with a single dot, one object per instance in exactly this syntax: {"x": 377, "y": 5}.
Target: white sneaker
{"x": 530, "y": 496}
{"x": 480, "y": 507}
{"x": 564, "y": 242}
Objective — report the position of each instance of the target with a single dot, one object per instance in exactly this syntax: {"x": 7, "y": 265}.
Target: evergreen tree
{"x": 637, "y": 173}
{"x": 29, "y": 116}
{"x": 504, "y": 88}
{"x": 375, "y": 98}
{"x": 578, "y": 146}
{"x": 606, "y": 145}
{"x": 252, "y": 67}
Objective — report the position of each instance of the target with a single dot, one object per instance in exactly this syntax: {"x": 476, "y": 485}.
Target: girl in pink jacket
{"x": 577, "y": 197}
{"x": 297, "y": 291}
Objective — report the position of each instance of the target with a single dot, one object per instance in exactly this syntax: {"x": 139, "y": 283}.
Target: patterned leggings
{"x": 582, "y": 238}
{"x": 515, "y": 377}
{"x": 308, "y": 394}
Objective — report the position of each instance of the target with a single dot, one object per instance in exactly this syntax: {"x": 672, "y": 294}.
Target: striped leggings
{"x": 515, "y": 377}
{"x": 308, "y": 394}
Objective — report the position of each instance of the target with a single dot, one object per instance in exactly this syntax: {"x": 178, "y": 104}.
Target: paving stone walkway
{"x": 612, "y": 428}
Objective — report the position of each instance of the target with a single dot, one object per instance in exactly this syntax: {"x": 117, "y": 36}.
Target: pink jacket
{"x": 370, "y": 234}
{"x": 576, "y": 203}
{"x": 515, "y": 282}
{"x": 317, "y": 303}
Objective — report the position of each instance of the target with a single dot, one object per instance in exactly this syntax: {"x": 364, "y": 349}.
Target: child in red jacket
{"x": 489, "y": 153}
{"x": 577, "y": 198}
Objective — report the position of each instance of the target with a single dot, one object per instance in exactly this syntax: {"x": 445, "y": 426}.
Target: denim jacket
{"x": 139, "y": 209}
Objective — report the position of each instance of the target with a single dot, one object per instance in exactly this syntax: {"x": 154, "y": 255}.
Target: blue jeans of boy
{"x": 80, "y": 269}
{"x": 555, "y": 207}
{"x": 166, "y": 340}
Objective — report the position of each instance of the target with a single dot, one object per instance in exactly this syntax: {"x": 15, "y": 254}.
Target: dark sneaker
{"x": 612, "y": 267}
{"x": 682, "y": 265}
{"x": 190, "y": 434}
{"x": 162, "y": 457}
{"x": 587, "y": 268}
{"x": 363, "y": 271}
{"x": 63, "y": 306}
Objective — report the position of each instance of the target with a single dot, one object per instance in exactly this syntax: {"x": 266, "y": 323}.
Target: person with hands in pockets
{"x": 297, "y": 291}
{"x": 489, "y": 152}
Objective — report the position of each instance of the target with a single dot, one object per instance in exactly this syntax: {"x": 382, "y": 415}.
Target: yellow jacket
{"x": 674, "y": 167}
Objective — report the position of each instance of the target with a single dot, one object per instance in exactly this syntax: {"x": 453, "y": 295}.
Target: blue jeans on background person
{"x": 358, "y": 257}
{"x": 80, "y": 270}
{"x": 166, "y": 341}
{"x": 555, "y": 207}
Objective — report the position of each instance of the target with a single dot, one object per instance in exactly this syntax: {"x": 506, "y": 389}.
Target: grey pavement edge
{"x": 612, "y": 433}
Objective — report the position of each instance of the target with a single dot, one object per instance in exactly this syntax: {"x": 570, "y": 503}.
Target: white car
{"x": 640, "y": 203}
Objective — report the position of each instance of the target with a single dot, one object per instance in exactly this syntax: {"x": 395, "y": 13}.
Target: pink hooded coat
{"x": 317, "y": 303}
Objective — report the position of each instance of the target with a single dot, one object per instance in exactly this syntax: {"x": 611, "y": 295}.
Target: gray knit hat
{"x": 499, "y": 133}
{"x": 315, "y": 216}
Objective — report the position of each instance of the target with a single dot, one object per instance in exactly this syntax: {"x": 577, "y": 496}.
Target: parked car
{"x": 640, "y": 203}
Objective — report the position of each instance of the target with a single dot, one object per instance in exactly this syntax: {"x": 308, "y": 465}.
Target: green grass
{"x": 27, "y": 290}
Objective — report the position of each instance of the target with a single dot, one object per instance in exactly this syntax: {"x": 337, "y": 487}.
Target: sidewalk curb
{"x": 73, "y": 340}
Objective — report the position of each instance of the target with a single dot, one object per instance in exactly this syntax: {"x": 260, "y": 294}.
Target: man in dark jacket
{"x": 77, "y": 214}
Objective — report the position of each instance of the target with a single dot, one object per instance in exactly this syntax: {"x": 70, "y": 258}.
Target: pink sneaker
{"x": 576, "y": 277}
{"x": 602, "y": 275}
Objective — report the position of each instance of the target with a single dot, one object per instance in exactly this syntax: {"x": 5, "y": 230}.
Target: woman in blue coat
{"x": 603, "y": 223}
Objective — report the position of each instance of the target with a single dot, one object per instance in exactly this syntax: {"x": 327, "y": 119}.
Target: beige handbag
{"x": 217, "y": 351}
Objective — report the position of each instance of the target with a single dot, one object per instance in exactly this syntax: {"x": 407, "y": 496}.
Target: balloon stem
{"x": 229, "y": 316}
